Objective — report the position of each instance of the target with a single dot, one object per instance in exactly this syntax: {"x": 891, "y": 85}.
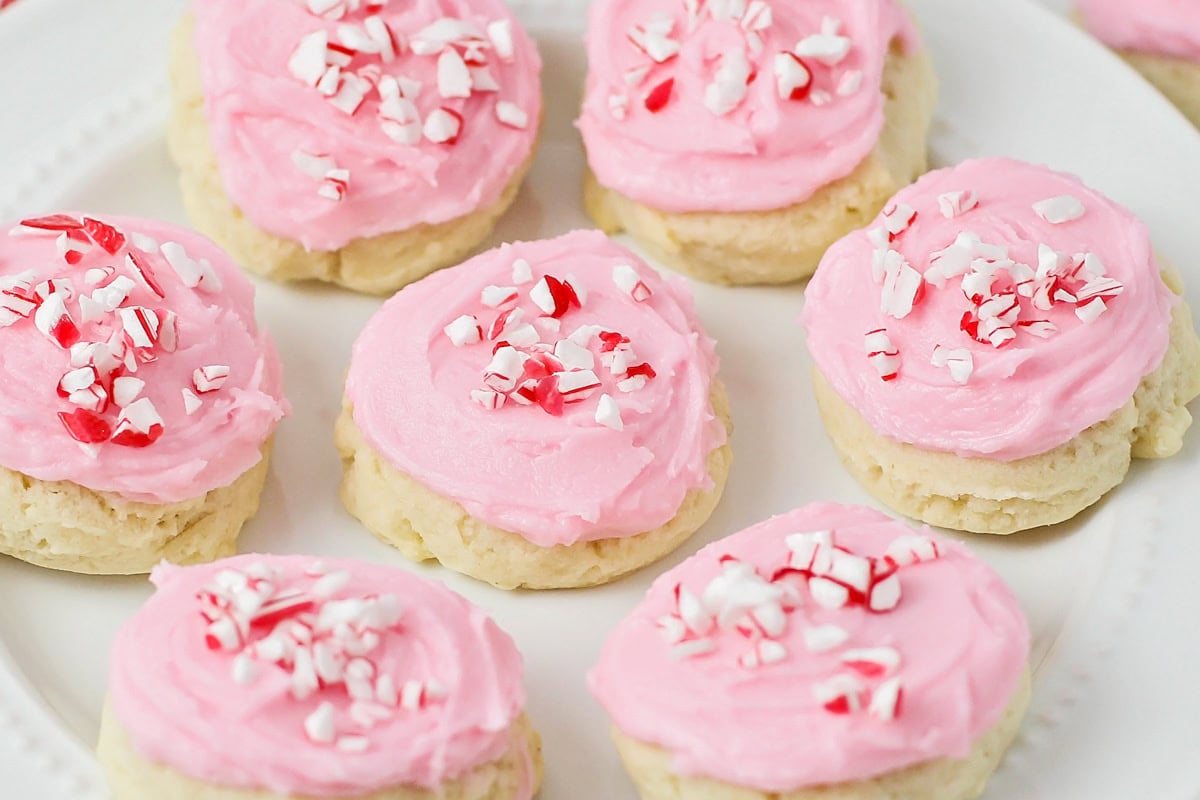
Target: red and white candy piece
{"x": 210, "y": 378}
{"x": 53, "y": 320}
{"x": 823, "y": 638}
{"x": 464, "y": 330}
{"x": 955, "y": 204}
{"x": 630, "y": 282}
{"x": 872, "y": 662}
{"x": 897, "y": 218}
{"x": 443, "y": 126}
{"x": 912, "y": 549}
{"x": 763, "y": 653}
{"x": 882, "y": 354}
{"x": 655, "y": 39}
{"x": 793, "y": 78}
{"x": 901, "y": 286}
{"x": 841, "y": 694}
{"x": 139, "y": 425}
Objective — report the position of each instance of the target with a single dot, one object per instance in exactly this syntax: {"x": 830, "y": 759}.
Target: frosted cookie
{"x": 545, "y": 415}
{"x": 736, "y": 140}
{"x": 137, "y": 395}
{"x": 288, "y": 677}
{"x": 361, "y": 142}
{"x": 1159, "y": 38}
{"x": 994, "y": 350}
{"x": 830, "y": 652}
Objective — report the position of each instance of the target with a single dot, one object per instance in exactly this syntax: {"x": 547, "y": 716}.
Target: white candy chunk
{"x": 319, "y": 724}
{"x": 1090, "y": 311}
{"x": 955, "y": 204}
{"x": 244, "y": 670}
{"x": 307, "y": 62}
{"x": 792, "y": 77}
{"x": 573, "y": 356}
{"x": 191, "y": 402}
{"x": 850, "y": 82}
{"x": 827, "y": 46}
{"x": 608, "y": 413}
{"x": 126, "y": 390}
{"x": 730, "y": 84}
{"x": 885, "y": 701}
{"x": 630, "y": 282}
{"x": 512, "y": 115}
{"x": 901, "y": 283}
{"x": 1057, "y": 210}
{"x": 828, "y": 594}
{"x": 959, "y": 361}
{"x": 453, "y": 77}
{"x": 823, "y": 638}
{"x": 522, "y": 272}
{"x": 501, "y": 36}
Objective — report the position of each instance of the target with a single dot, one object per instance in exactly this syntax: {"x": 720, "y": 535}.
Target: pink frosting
{"x": 1160, "y": 27}
{"x": 261, "y": 114}
{"x": 957, "y": 635}
{"x": 552, "y": 479}
{"x": 183, "y": 705}
{"x": 1029, "y": 394}
{"x": 210, "y": 447}
{"x": 728, "y": 152}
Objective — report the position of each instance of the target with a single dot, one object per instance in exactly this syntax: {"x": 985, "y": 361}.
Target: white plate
{"x": 1115, "y": 712}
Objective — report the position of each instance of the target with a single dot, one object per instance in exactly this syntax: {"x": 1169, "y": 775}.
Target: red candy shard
{"x": 65, "y": 332}
{"x": 106, "y": 236}
{"x": 641, "y": 369}
{"x": 838, "y": 705}
{"x": 564, "y": 296}
{"x": 53, "y": 222}
{"x": 132, "y": 438}
{"x": 139, "y": 264}
{"x": 85, "y": 427}
{"x": 659, "y": 96}
{"x": 611, "y": 341}
{"x": 548, "y": 396}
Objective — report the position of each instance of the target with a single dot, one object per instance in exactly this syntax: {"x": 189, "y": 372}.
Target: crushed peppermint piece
{"x": 1059, "y": 210}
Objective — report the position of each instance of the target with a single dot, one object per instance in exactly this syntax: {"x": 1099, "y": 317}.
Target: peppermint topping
{"x": 363, "y": 63}
{"x": 544, "y": 362}
{"x": 761, "y": 608}
{"x": 319, "y": 637}
{"x": 815, "y": 58}
{"x": 1004, "y": 298}
{"x": 108, "y": 336}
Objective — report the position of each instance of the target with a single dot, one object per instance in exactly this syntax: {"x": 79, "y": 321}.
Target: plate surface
{"x": 1113, "y": 669}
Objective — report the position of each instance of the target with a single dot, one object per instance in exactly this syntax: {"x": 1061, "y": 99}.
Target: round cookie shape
{"x": 735, "y": 106}
{"x": 132, "y": 363}
{"x": 996, "y": 309}
{"x": 826, "y": 646}
{"x": 559, "y": 390}
{"x": 337, "y": 121}
{"x": 309, "y": 678}
{"x": 1156, "y": 27}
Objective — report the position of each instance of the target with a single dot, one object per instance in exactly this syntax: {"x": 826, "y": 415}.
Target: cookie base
{"x": 424, "y": 525}
{"x": 65, "y": 526}
{"x": 1176, "y": 78}
{"x": 375, "y": 265}
{"x": 131, "y": 776}
{"x": 785, "y": 245}
{"x": 945, "y": 779}
{"x": 984, "y": 495}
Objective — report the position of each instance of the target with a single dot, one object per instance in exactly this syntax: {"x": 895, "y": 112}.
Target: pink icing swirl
{"x": 194, "y": 707}
{"x": 208, "y": 439}
{"x": 1029, "y": 394}
{"x": 718, "y": 143}
{"x": 261, "y": 115}
{"x": 1159, "y": 27}
{"x": 955, "y": 646}
{"x": 554, "y": 479}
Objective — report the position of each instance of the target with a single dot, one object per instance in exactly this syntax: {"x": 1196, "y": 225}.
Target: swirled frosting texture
{"x": 182, "y": 707}
{"x": 1159, "y": 27}
{"x": 959, "y": 632}
{"x": 551, "y": 479}
{"x": 1031, "y": 394}
{"x": 765, "y": 152}
{"x": 206, "y": 449}
{"x": 260, "y": 114}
